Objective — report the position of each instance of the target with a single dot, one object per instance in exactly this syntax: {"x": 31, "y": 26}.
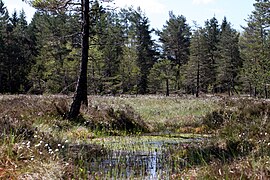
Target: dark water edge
{"x": 153, "y": 164}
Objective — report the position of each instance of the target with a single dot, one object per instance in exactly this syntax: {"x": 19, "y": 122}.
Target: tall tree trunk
{"x": 265, "y": 91}
{"x": 178, "y": 63}
{"x": 80, "y": 96}
{"x": 167, "y": 87}
{"x": 198, "y": 79}
{"x": 250, "y": 90}
{"x": 255, "y": 91}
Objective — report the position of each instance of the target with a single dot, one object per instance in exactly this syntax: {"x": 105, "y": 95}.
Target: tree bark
{"x": 265, "y": 91}
{"x": 80, "y": 96}
{"x": 167, "y": 87}
{"x": 198, "y": 79}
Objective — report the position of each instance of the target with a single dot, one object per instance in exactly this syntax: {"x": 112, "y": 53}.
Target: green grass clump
{"x": 164, "y": 113}
{"x": 241, "y": 147}
{"x": 34, "y": 142}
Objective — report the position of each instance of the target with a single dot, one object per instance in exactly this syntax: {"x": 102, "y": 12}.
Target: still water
{"x": 139, "y": 158}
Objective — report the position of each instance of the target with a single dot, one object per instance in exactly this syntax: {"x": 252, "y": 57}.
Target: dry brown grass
{"x": 33, "y": 132}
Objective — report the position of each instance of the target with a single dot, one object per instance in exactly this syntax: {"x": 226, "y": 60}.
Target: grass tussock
{"x": 114, "y": 119}
{"x": 28, "y": 151}
{"x": 36, "y": 142}
{"x": 164, "y": 113}
{"x": 241, "y": 147}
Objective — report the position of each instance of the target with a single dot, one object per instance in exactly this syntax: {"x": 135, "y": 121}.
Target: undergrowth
{"x": 36, "y": 142}
{"x": 240, "y": 148}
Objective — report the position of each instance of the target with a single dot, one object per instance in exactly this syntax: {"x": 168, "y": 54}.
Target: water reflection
{"x": 150, "y": 165}
{"x": 129, "y": 165}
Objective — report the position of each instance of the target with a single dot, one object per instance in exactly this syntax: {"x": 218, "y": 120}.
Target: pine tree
{"x": 197, "y": 68}
{"x": 55, "y": 65}
{"x": 112, "y": 49}
{"x": 57, "y": 6}
{"x": 15, "y": 51}
{"x": 160, "y": 76}
{"x": 175, "y": 38}
{"x": 129, "y": 70}
{"x": 4, "y": 26}
{"x": 20, "y": 54}
{"x": 212, "y": 35}
{"x": 255, "y": 49}
{"x": 146, "y": 53}
{"x": 230, "y": 62}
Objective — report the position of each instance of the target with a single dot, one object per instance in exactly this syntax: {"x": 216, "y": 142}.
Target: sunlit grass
{"x": 164, "y": 112}
{"x": 36, "y": 142}
{"x": 146, "y": 143}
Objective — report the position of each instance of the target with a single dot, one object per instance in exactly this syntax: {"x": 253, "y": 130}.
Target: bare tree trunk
{"x": 167, "y": 87}
{"x": 198, "y": 79}
{"x": 255, "y": 91}
{"x": 265, "y": 91}
{"x": 80, "y": 96}
{"x": 250, "y": 90}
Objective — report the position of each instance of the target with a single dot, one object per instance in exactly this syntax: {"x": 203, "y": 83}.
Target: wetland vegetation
{"x": 108, "y": 119}
{"x": 144, "y": 137}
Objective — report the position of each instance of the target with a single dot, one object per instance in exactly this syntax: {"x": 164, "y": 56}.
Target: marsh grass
{"x": 164, "y": 113}
{"x": 33, "y": 139}
{"x": 37, "y": 142}
{"x": 33, "y": 132}
{"x": 241, "y": 149}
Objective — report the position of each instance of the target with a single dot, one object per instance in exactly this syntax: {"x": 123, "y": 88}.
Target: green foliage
{"x": 16, "y": 52}
{"x": 196, "y": 74}
{"x": 145, "y": 49}
{"x": 129, "y": 70}
{"x": 123, "y": 57}
{"x": 230, "y": 61}
{"x": 55, "y": 63}
{"x": 161, "y": 76}
{"x": 255, "y": 50}
{"x": 175, "y": 37}
{"x": 212, "y": 38}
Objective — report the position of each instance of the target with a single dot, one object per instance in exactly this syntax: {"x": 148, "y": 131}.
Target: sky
{"x": 236, "y": 11}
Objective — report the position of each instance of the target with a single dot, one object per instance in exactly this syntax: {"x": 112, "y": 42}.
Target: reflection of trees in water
{"x": 152, "y": 165}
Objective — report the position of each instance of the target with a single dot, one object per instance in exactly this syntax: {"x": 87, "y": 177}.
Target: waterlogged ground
{"x": 109, "y": 142}
{"x": 142, "y": 157}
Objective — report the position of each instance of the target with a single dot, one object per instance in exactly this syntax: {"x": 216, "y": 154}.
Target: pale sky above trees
{"x": 236, "y": 11}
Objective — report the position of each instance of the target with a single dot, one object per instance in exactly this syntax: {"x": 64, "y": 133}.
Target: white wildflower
{"x": 219, "y": 171}
{"x": 37, "y": 145}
